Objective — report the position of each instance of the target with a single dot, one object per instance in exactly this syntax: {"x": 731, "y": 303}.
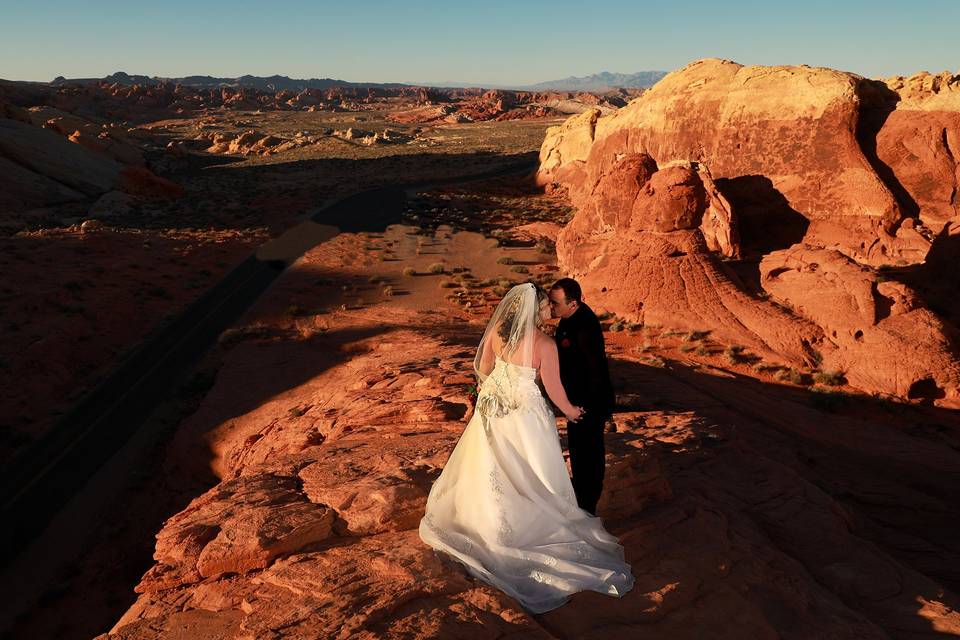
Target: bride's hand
{"x": 576, "y": 415}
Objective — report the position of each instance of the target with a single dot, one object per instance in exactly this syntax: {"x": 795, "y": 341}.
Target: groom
{"x": 586, "y": 379}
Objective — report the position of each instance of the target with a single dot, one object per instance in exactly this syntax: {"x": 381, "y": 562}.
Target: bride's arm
{"x": 550, "y": 374}
{"x": 487, "y": 358}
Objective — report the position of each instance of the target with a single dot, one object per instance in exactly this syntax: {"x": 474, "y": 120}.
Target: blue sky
{"x": 489, "y": 42}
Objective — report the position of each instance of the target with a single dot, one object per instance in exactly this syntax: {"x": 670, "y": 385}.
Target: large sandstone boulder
{"x": 873, "y": 321}
{"x": 646, "y": 256}
{"x": 643, "y": 253}
{"x": 920, "y": 143}
{"x": 782, "y": 143}
{"x": 21, "y": 188}
{"x": 53, "y": 156}
{"x": 806, "y": 166}
{"x": 40, "y": 167}
{"x": 242, "y": 525}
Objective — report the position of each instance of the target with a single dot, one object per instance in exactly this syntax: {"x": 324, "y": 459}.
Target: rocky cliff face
{"x": 789, "y": 161}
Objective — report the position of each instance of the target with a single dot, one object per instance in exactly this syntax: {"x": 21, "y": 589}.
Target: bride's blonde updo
{"x": 509, "y": 318}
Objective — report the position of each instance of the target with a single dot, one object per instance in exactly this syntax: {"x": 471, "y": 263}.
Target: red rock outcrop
{"x": 782, "y": 141}
{"x": 109, "y": 140}
{"x": 41, "y": 168}
{"x": 874, "y": 323}
{"x": 802, "y": 162}
{"x": 52, "y": 157}
{"x": 638, "y": 247}
{"x": 919, "y": 141}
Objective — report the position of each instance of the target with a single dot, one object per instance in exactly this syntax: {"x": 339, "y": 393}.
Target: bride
{"x": 504, "y": 505}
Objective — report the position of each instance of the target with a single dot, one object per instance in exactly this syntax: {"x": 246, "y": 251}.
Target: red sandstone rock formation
{"x": 874, "y": 323}
{"x": 919, "y": 141}
{"x": 784, "y": 141}
{"x": 811, "y": 159}
{"x": 42, "y": 167}
{"x": 638, "y": 246}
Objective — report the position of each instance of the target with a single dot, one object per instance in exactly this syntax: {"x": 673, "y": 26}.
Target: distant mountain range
{"x": 601, "y": 82}
{"x": 596, "y": 82}
{"x": 270, "y": 83}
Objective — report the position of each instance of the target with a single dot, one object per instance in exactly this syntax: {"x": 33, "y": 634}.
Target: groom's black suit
{"x": 586, "y": 380}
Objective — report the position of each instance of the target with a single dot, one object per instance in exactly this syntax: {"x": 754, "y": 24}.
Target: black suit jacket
{"x": 583, "y": 362}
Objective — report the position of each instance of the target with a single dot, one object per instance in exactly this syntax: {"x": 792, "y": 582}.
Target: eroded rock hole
{"x": 925, "y": 389}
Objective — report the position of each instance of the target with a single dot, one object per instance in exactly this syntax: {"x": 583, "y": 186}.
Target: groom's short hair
{"x": 570, "y": 287}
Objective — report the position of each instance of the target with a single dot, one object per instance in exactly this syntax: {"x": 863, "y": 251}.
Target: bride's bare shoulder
{"x": 543, "y": 340}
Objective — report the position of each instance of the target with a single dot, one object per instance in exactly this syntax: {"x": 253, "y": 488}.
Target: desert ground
{"x": 783, "y": 459}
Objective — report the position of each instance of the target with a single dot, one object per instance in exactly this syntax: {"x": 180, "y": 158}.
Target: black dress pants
{"x": 587, "y": 459}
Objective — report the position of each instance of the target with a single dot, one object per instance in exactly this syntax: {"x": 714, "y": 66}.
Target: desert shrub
{"x": 409, "y": 271}
{"x": 790, "y": 375}
{"x": 234, "y": 335}
{"x": 816, "y": 357}
{"x": 735, "y": 354}
{"x": 829, "y": 378}
{"x": 437, "y": 268}
{"x": 449, "y": 284}
{"x": 545, "y": 245}
{"x": 695, "y": 336}
{"x": 388, "y": 291}
{"x": 519, "y": 269}
{"x": 505, "y": 260}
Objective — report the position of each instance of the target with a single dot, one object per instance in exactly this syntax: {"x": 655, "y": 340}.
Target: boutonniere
{"x": 565, "y": 343}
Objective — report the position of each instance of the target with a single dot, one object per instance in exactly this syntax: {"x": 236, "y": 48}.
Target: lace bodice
{"x": 509, "y": 387}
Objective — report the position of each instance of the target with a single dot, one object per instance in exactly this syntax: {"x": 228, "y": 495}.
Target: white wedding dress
{"x": 504, "y": 505}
